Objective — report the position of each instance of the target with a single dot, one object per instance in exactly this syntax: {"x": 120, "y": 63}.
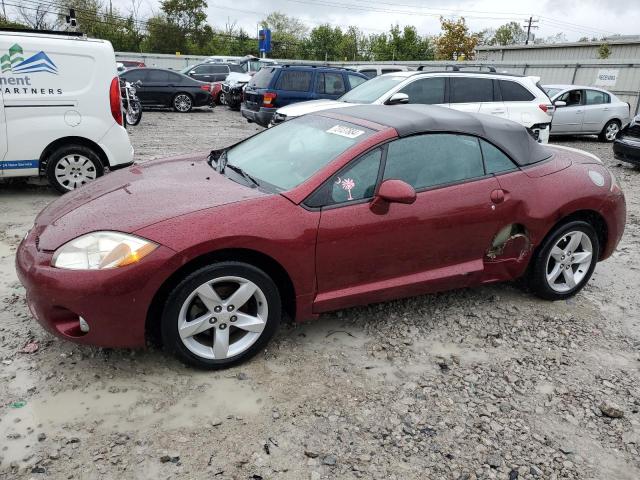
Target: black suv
{"x": 280, "y": 85}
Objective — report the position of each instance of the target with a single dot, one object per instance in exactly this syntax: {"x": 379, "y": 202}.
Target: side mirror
{"x": 394, "y": 191}
{"x": 397, "y": 98}
{"x": 560, "y": 103}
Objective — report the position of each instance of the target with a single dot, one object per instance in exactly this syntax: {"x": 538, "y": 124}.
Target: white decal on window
{"x": 345, "y": 131}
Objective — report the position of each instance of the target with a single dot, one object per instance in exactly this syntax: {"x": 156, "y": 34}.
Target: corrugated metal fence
{"x": 620, "y": 76}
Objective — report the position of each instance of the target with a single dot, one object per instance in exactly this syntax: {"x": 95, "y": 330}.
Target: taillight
{"x": 206, "y": 88}
{"x": 114, "y": 100}
{"x": 547, "y": 108}
{"x": 268, "y": 99}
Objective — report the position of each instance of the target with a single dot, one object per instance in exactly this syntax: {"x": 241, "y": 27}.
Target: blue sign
{"x": 264, "y": 40}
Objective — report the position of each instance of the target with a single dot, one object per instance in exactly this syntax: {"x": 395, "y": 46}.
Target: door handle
{"x": 497, "y": 196}
{"x": 578, "y": 111}
{"x": 497, "y": 111}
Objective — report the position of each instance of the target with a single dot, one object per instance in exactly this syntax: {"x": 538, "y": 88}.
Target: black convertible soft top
{"x": 510, "y": 137}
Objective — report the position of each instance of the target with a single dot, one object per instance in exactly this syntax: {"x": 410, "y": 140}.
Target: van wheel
{"x": 71, "y": 166}
{"x": 182, "y": 103}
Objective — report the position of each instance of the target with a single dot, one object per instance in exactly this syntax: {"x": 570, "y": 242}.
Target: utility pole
{"x": 4, "y": 11}
{"x": 530, "y": 24}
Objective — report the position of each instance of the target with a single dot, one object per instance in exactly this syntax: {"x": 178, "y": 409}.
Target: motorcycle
{"x": 130, "y": 102}
{"x": 233, "y": 89}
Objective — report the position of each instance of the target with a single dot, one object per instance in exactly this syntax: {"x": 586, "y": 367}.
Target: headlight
{"x": 102, "y": 250}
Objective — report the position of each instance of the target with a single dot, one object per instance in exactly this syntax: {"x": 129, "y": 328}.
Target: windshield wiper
{"x": 242, "y": 173}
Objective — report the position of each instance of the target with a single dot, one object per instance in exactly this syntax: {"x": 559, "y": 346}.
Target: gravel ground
{"x": 472, "y": 384}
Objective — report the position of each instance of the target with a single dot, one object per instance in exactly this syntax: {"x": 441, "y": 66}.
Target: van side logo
{"x": 14, "y": 62}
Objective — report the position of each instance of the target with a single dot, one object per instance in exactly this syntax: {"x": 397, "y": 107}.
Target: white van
{"x": 61, "y": 113}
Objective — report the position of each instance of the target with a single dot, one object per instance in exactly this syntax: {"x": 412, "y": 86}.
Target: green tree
{"x": 509, "y": 34}
{"x": 455, "y": 42}
{"x": 324, "y": 43}
{"x": 604, "y": 51}
{"x": 163, "y": 36}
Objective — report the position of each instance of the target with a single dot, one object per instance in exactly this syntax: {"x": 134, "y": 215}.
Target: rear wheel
{"x": 609, "y": 131}
{"x": 72, "y": 166}
{"x": 182, "y": 103}
{"x": 221, "y": 315}
{"x": 565, "y": 261}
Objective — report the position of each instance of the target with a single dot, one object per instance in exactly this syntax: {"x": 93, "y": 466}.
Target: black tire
{"x": 136, "y": 115}
{"x": 177, "y": 102}
{"x": 605, "y": 131}
{"x": 180, "y": 294}
{"x": 537, "y": 277}
{"x": 221, "y": 99}
{"x": 73, "y": 153}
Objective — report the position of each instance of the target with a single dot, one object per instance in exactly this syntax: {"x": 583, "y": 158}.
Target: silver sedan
{"x": 587, "y": 111}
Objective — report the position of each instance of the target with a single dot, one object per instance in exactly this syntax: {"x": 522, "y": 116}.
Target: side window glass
{"x": 158, "y": 76}
{"x": 572, "y": 97}
{"x": 331, "y": 83}
{"x": 357, "y": 181}
{"x": 471, "y": 89}
{"x": 428, "y": 91}
{"x": 294, "y": 81}
{"x": 369, "y": 73}
{"x": 514, "y": 92}
{"x": 494, "y": 160}
{"x": 389, "y": 70}
{"x": 355, "y": 80}
{"x": 425, "y": 161}
{"x": 595, "y": 97}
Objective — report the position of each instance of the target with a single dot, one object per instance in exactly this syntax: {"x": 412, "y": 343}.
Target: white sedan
{"x": 587, "y": 111}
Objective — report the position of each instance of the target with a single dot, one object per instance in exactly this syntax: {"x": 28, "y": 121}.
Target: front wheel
{"x": 72, "y": 166}
{"x": 610, "y": 131}
{"x": 182, "y": 103}
{"x": 565, "y": 261}
{"x": 221, "y": 315}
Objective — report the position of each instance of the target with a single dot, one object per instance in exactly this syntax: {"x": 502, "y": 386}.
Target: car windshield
{"x": 186, "y": 69}
{"x": 552, "y": 92}
{"x": 371, "y": 90}
{"x": 283, "y": 157}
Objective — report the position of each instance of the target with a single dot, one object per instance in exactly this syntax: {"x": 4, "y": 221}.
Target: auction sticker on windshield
{"x": 345, "y": 131}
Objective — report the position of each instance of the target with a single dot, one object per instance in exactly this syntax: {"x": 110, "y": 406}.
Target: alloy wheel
{"x": 74, "y": 170}
{"x": 569, "y": 261}
{"x": 223, "y": 318}
{"x": 182, "y": 102}
{"x": 611, "y": 131}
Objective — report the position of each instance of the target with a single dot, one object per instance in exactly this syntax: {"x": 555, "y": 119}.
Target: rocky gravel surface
{"x": 484, "y": 383}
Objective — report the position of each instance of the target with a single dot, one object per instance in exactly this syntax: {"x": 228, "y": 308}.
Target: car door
{"x": 427, "y": 91}
{"x": 597, "y": 111}
{"x": 515, "y": 102}
{"x": 568, "y": 119}
{"x": 468, "y": 93}
{"x": 155, "y": 87}
{"x": 329, "y": 85}
{"x": 439, "y": 241}
{"x": 133, "y": 76}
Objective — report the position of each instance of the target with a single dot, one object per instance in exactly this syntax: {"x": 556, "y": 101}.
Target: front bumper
{"x": 627, "y": 150}
{"x": 113, "y": 302}
{"x": 261, "y": 117}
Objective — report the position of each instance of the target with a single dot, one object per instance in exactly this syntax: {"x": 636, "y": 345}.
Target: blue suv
{"x": 279, "y": 85}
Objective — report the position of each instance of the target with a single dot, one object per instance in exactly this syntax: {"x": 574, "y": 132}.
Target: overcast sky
{"x": 574, "y": 18}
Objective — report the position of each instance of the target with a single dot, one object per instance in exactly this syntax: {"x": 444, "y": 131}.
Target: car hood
{"x": 302, "y": 108}
{"x": 136, "y": 197}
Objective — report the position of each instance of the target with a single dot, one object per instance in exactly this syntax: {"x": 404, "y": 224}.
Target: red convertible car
{"x": 339, "y": 208}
